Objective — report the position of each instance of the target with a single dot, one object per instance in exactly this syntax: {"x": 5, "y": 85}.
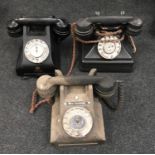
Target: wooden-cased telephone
{"x": 40, "y": 53}
{"x": 103, "y": 42}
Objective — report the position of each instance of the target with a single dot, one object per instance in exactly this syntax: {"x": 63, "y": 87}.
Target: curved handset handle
{"x": 115, "y": 20}
{"x": 60, "y": 26}
{"x": 46, "y": 85}
{"x": 37, "y": 21}
{"x": 85, "y": 26}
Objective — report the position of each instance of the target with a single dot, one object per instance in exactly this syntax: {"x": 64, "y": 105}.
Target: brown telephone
{"x": 77, "y": 117}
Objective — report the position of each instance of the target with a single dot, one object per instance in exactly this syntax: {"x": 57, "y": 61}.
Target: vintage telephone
{"x": 104, "y": 42}
{"x": 77, "y": 117}
{"x": 39, "y": 54}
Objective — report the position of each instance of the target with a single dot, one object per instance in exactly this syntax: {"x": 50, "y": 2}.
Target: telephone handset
{"x": 103, "y": 42}
{"x": 40, "y": 53}
{"x": 76, "y": 111}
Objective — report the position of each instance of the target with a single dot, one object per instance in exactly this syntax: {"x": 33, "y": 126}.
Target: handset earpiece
{"x": 106, "y": 87}
{"x": 136, "y": 23}
{"x": 132, "y": 32}
{"x": 84, "y": 29}
{"x": 134, "y": 27}
{"x": 108, "y": 90}
{"x": 61, "y": 29}
{"x": 14, "y": 29}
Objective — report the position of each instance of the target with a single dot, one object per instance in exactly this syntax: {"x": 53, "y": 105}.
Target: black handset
{"x": 132, "y": 25}
{"x": 104, "y": 42}
{"x": 40, "y": 53}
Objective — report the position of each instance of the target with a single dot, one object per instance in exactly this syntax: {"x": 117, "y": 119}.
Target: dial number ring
{"x": 36, "y": 50}
{"x": 77, "y": 122}
{"x": 109, "y": 47}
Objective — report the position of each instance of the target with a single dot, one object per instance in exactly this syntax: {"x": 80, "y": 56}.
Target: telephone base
{"x": 89, "y": 58}
{"x": 25, "y": 67}
{"x": 31, "y": 73}
{"x": 66, "y": 101}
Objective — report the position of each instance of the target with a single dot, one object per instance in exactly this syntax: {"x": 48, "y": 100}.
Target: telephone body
{"x": 77, "y": 117}
{"x": 104, "y": 42}
{"x": 40, "y": 53}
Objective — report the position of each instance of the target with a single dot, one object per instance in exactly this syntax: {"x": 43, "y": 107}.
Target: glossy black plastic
{"x": 51, "y": 30}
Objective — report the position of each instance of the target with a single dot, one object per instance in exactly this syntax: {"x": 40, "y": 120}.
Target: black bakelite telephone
{"x": 103, "y": 42}
{"x": 39, "y": 54}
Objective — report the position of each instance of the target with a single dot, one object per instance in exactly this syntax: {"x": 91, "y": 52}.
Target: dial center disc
{"x": 37, "y": 50}
{"x": 77, "y": 122}
{"x": 109, "y": 47}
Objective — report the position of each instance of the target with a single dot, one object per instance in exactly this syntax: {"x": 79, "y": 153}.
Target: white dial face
{"x": 36, "y": 50}
{"x": 109, "y": 47}
{"x": 77, "y": 122}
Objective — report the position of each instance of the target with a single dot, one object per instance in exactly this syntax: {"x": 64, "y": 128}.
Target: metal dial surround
{"x": 109, "y": 47}
{"x": 77, "y": 122}
{"x": 36, "y": 50}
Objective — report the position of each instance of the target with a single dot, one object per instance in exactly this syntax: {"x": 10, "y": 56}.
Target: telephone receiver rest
{"x": 85, "y": 26}
{"x": 60, "y": 26}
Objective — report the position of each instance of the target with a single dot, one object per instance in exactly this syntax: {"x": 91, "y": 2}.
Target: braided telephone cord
{"x": 35, "y": 104}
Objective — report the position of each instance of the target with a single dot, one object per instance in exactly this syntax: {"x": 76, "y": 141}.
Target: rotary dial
{"x": 77, "y": 122}
{"x": 36, "y": 50}
{"x": 109, "y": 47}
